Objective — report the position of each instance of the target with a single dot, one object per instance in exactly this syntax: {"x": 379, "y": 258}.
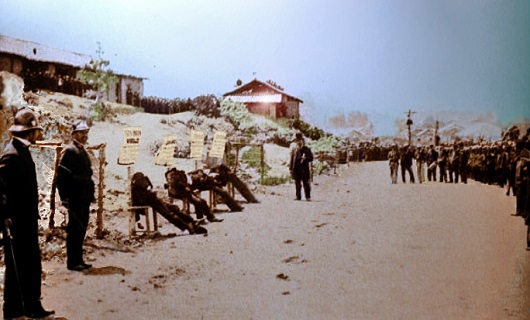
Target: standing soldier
{"x": 522, "y": 169}
{"x": 421, "y": 158}
{"x": 464, "y": 166}
{"x": 407, "y": 155}
{"x": 393, "y": 163}
{"x": 432, "y": 160}
{"x": 23, "y": 266}
{"x": 454, "y": 164}
{"x": 76, "y": 189}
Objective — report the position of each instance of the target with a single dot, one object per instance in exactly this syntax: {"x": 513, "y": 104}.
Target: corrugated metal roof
{"x": 38, "y": 52}
{"x": 256, "y": 98}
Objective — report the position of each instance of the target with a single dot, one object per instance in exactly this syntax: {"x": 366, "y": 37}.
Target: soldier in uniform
{"x": 522, "y": 171}
{"x": 393, "y": 163}
{"x": 23, "y": 266}
{"x": 407, "y": 155}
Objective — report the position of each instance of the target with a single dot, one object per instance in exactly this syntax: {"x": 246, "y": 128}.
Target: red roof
{"x": 257, "y": 91}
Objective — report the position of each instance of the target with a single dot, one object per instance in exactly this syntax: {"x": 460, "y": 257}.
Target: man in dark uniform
{"x": 23, "y": 266}
{"x": 407, "y": 154}
{"x": 432, "y": 162}
{"x": 301, "y": 159}
{"x": 76, "y": 189}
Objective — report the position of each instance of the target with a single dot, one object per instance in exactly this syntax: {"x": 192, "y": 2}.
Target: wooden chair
{"x": 149, "y": 214}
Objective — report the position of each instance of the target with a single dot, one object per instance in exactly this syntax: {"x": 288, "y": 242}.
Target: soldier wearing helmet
{"x": 22, "y": 291}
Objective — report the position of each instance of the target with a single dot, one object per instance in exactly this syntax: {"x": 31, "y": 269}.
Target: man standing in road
{"x": 300, "y": 167}
{"x": 19, "y": 221}
{"x": 76, "y": 189}
{"x": 407, "y": 155}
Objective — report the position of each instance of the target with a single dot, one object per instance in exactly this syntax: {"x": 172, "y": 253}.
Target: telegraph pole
{"x": 409, "y": 124}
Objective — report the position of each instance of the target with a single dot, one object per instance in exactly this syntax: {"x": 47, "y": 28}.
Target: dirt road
{"x": 362, "y": 249}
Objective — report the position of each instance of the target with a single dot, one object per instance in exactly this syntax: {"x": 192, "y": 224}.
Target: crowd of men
{"x": 502, "y": 163}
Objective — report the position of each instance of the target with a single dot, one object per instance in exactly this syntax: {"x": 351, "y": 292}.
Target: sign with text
{"x": 131, "y": 145}
{"x": 218, "y": 145}
{"x": 196, "y": 144}
{"x": 164, "y": 156}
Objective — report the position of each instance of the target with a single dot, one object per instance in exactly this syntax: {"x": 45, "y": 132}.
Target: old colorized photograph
{"x": 259, "y": 160}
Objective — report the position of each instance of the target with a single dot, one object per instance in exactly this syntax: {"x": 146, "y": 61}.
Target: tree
{"x": 100, "y": 78}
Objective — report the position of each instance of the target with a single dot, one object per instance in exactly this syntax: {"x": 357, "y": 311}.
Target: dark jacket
{"x": 300, "y": 161}
{"x": 21, "y": 251}
{"x": 74, "y": 175}
{"x": 19, "y": 175}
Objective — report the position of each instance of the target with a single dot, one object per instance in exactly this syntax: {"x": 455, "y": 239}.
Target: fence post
{"x": 262, "y": 163}
{"x": 51, "y": 222}
{"x": 101, "y": 187}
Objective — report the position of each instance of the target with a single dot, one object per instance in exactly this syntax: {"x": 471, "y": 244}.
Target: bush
{"x": 274, "y": 181}
{"x": 235, "y": 112}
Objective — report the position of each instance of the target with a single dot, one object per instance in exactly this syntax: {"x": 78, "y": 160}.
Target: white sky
{"x": 380, "y": 57}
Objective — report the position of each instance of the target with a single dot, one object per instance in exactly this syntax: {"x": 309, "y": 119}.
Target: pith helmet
{"x": 79, "y": 125}
{"x": 25, "y": 119}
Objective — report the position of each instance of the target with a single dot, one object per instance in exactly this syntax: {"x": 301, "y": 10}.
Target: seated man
{"x": 200, "y": 181}
{"x": 225, "y": 175}
{"x": 179, "y": 188}
{"x": 142, "y": 194}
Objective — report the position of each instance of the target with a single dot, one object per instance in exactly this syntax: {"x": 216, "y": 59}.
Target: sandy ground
{"x": 362, "y": 249}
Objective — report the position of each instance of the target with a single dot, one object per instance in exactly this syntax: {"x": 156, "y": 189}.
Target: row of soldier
{"x": 444, "y": 164}
{"x": 505, "y": 164}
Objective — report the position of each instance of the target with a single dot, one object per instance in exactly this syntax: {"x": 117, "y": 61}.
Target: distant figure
{"x": 300, "y": 167}
{"x": 76, "y": 189}
{"x": 407, "y": 155}
{"x": 432, "y": 162}
{"x": 19, "y": 221}
{"x": 464, "y": 167}
{"x": 454, "y": 164}
{"x": 393, "y": 163}
{"x": 442, "y": 164}
{"x": 421, "y": 159}
{"x": 522, "y": 179}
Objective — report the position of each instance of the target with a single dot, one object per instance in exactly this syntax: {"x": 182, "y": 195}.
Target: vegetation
{"x": 274, "y": 181}
{"x": 235, "y": 112}
{"x": 312, "y": 132}
{"x": 100, "y": 78}
{"x": 207, "y": 105}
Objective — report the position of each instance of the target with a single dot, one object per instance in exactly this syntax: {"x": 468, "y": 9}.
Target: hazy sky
{"x": 381, "y": 57}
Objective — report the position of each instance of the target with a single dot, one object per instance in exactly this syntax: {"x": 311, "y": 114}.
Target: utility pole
{"x": 409, "y": 124}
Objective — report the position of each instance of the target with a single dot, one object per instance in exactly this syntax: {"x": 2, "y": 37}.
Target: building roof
{"x": 258, "y": 91}
{"x": 38, "y": 52}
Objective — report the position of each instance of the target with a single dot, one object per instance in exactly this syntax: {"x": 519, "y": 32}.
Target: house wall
{"x": 11, "y": 64}
{"x": 293, "y": 109}
{"x": 18, "y": 66}
{"x": 260, "y": 108}
{"x": 131, "y": 91}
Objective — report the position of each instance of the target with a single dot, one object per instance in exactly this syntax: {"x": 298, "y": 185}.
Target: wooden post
{"x": 262, "y": 162}
{"x": 51, "y": 222}
{"x": 101, "y": 187}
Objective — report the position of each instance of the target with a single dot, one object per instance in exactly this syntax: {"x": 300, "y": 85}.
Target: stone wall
{"x": 11, "y": 99}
